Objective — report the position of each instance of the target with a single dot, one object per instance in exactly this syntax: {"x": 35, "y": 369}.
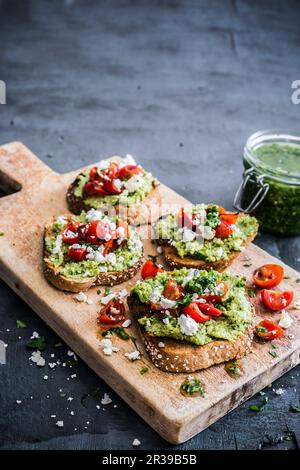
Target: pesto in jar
{"x": 279, "y": 163}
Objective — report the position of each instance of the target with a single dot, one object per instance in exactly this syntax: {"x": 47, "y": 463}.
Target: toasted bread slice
{"x": 109, "y": 278}
{"x": 175, "y": 261}
{"x": 142, "y": 212}
{"x": 181, "y": 356}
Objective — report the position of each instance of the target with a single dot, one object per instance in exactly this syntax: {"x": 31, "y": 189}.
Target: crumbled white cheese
{"x": 127, "y": 160}
{"x": 34, "y": 335}
{"x": 219, "y": 252}
{"x": 61, "y": 220}
{"x": 285, "y": 320}
{"x": 192, "y": 273}
{"x": 37, "y": 358}
{"x": 167, "y": 303}
{"x": 188, "y": 326}
{"x": 45, "y": 377}
{"x": 134, "y": 355}
{"x": 134, "y": 183}
{"x": 81, "y": 297}
{"x": 126, "y": 323}
{"x": 94, "y": 214}
{"x": 208, "y": 232}
{"x": 57, "y": 245}
{"x": 111, "y": 258}
{"x": 121, "y": 232}
{"x": 161, "y": 344}
{"x": 117, "y": 183}
{"x": 60, "y": 424}
{"x": 159, "y": 249}
{"x": 103, "y": 165}
{"x": 106, "y": 400}
{"x": 18, "y": 402}
{"x": 136, "y": 442}
{"x": 166, "y": 320}
{"x": 278, "y": 391}
{"x": 105, "y": 300}
{"x": 188, "y": 235}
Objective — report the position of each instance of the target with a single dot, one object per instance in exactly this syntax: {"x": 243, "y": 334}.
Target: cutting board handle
{"x": 18, "y": 166}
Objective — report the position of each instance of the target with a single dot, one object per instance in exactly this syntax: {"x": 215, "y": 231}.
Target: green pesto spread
{"x": 210, "y": 250}
{"x": 120, "y": 259}
{"x": 279, "y": 211}
{"x": 237, "y": 310}
{"x": 125, "y": 198}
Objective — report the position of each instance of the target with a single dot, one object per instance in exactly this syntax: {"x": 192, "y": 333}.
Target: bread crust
{"x": 143, "y": 212}
{"x": 180, "y": 356}
{"x": 175, "y": 261}
{"x": 111, "y": 278}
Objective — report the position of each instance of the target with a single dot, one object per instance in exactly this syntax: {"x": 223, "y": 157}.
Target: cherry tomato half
{"x": 209, "y": 309}
{"x": 70, "y": 233}
{"x": 276, "y": 300}
{"x": 77, "y": 254}
{"x": 113, "y": 312}
{"x": 94, "y": 175}
{"x": 95, "y": 188}
{"x": 127, "y": 171}
{"x": 193, "y": 311}
{"x": 223, "y": 230}
{"x": 95, "y": 232}
{"x": 268, "y": 275}
{"x": 150, "y": 269}
{"x": 222, "y": 287}
{"x": 111, "y": 188}
{"x": 268, "y": 330}
{"x": 173, "y": 291}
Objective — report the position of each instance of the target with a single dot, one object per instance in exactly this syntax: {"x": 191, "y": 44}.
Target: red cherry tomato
{"x": 110, "y": 187}
{"x": 150, "y": 269}
{"x": 224, "y": 230}
{"x": 268, "y": 330}
{"x": 268, "y": 275}
{"x": 184, "y": 219}
{"x": 193, "y": 311}
{"x": 70, "y": 233}
{"x": 209, "y": 309}
{"x": 112, "y": 313}
{"x": 95, "y": 232}
{"x": 77, "y": 254}
{"x": 214, "y": 298}
{"x": 112, "y": 171}
{"x": 230, "y": 217}
{"x": 127, "y": 171}
{"x": 95, "y": 188}
{"x": 276, "y": 300}
{"x": 173, "y": 291}
{"x": 94, "y": 175}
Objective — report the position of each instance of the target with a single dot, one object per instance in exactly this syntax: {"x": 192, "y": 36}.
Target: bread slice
{"x": 142, "y": 212}
{"x": 175, "y": 261}
{"x": 53, "y": 275}
{"x": 180, "y": 356}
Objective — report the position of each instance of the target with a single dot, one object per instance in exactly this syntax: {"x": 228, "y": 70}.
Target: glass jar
{"x": 270, "y": 189}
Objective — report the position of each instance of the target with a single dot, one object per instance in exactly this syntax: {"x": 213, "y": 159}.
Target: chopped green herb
{"x": 37, "y": 343}
{"x": 144, "y": 370}
{"x": 247, "y": 265}
{"x": 274, "y": 346}
{"x": 153, "y": 258}
{"x": 261, "y": 329}
{"x": 294, "y": 409}
{"x": 72, "y": 362}
{"x": 192, "y": 386}
{"x": 186, "y": 300}
{"x": 58, "y": 345}
{"x": 107, "y": 291}
{"x": 118, "y": 331}
{"x": 287, "y": 277}
{"x": 2, "y": 234}
{"x": 99, "y": 291}
{"x": 232, "y": 367}
{"x": 21, "y": 324}
{"x": 262, "y": 394}
{"x": 298, "y": 280}
{"x": 260, "y": 407}
{"x": 251, "y": 293}
{"x": 273, "y": 353}
{"x": 62, "y": 395}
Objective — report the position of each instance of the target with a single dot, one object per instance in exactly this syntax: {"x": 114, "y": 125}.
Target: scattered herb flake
{"x": 99, "y": 291}
{"x": 72, "y": 362}
{"x": 192, "y": 386}
{"x": 260, "y": 407}
{"x": 247, "y": 265}
{"x": 298, "y": 280}
{"x": 2, "y": 234}
{"x": 118, "y": 331}
{"x": 58, "y": 345}
{"x": 144, "y": 370}
{"x": 287, "y": 277}
{"x": 153, "y": 258}
{"x": 21, "y": 324}
{"x": 273, "y": 354}
{"x": 274, "y": 346}
{"x": 251, "y": 293}
{"x": 37, "y": 343}
{"x": 233, "y": 368}
{"x": 107, "y": 291}
{"x": 62, "y": 395}
{"x": 294, "y": 409}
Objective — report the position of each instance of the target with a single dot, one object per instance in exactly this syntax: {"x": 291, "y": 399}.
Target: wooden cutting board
{"x": 155, "y": 395}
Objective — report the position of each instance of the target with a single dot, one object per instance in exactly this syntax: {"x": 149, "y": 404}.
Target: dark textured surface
{"x": 181, "y": 85}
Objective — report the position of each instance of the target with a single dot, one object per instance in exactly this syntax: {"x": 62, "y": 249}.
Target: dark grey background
{"x": 181, "y": 85}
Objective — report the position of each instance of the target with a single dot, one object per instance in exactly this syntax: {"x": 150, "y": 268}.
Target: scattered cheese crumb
{"x": 18, "y": 402}
{"x": 126, "y": 323}
{"x": 106, "y": 400}
{"x": 161, "y": 344}
{"x": 34, "y": 335}
{"x": 285, "y": 320}
{"x": 37, "y": 358}
{"x": 72, "y": 413}
{"x": 73, "y": 376}
{"x": 81, "y": 297}
{"x": 136, "y": 442}
{"x": 134, "y": 355}
{"x": 278, "y": 391}
{"x": 59, "y": 424}
{"x": 45, "y": 377}
{"x": 159, "y": 249}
